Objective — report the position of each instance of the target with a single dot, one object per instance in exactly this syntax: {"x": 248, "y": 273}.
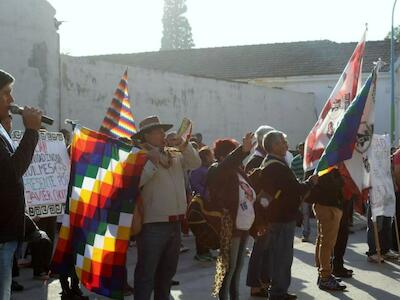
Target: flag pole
{"x": 397, "y": 235}
{"x": 392, "y": 88}
{"x": 377, "y": 243}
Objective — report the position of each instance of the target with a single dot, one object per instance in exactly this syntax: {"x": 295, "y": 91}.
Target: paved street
{"x": 371, "y": 281}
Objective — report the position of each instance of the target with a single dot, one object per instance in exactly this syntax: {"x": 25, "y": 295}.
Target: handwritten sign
{"x": 382, "y": 197}
{"x": 46, "y": 180}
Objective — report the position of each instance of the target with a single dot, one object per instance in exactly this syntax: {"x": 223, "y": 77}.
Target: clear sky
{"x": 127, "y": 26}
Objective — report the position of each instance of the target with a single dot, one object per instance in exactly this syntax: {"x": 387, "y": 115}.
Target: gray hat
{"x": 149, "y": 123}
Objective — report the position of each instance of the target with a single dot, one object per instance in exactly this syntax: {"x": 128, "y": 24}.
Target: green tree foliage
{"x": 177, "y": 33}
{"x": 396, "y": 34}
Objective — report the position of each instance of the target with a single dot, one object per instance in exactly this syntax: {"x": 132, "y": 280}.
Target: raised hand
{"x": 248, "y": 143}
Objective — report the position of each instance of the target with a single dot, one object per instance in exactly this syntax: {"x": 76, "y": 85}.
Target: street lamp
{"x": 392, "y": 71}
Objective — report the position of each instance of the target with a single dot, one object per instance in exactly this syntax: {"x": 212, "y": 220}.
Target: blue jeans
{"x": 230, "y": 285}
{"x": 6, "y": 262}
{"x": 384, "y": 225}
{"x": 158, "y": 247}
{"x": 257, "y": 272}
{"x": 305, "y": 207}
{"x": 280, "y": 238}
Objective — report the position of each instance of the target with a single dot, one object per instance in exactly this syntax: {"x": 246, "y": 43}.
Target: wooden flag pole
{"x": 397, "y": 235}
{"x": 377, "y": 243}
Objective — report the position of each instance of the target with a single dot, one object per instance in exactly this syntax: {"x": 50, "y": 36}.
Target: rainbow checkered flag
{"x": 94, "y": 236}
{"x": 351, "y": 132}
{"x": 349, "y": 147}
{"x": 119, "y": 121}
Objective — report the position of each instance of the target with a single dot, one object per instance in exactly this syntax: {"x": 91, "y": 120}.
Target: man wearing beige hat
{"x": 164, "y": 207}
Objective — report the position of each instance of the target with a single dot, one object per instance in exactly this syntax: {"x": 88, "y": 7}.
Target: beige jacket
{"x": 163, "y": 190}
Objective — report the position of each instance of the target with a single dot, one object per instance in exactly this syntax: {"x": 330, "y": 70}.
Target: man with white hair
{"x": 259, "y": 152}
{"x": 285, "y": 191}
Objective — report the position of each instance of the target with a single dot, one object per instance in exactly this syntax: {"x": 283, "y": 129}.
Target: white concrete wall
{"x": 322, "y": 86}
{"x": 29, "y": 50}
{"x": 217, "y": 108}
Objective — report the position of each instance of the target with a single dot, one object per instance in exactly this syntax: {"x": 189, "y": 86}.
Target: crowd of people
{"x": 258, "y": 188}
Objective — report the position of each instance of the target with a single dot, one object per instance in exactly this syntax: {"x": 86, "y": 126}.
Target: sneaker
{"x": 390, "y": 255}
{"x": 16, "y": 287}
{"x": 331, "y": 284}
{"x": 211, "y": 257}
{"x": 375, "y": 259}
{"x": 203, "y": 258}
{"x": 183, "y": 249}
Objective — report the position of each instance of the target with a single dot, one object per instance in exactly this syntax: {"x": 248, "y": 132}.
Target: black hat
{"x": 5, "y": 78}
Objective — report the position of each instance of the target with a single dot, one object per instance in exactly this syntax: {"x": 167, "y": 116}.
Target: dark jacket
{"x": 254, "y": 162}
{"x": 12, "y": 200}
{"x": 223, "y": 182}
{"x": 329, "y": 190}
{"x": 279, "y": 181}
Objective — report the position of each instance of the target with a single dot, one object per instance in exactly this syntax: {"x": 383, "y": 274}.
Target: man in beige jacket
{"x": 164, "y": 201}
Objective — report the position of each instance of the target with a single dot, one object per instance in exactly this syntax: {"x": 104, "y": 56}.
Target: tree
{"x": 396, "y": 34}
{"x": 177, "y": 33}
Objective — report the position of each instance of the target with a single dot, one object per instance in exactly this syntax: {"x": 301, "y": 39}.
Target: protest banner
{"x": 46, "y": 180}
{"x": 382, "y": 197}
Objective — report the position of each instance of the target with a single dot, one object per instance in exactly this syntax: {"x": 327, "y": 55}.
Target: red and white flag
{"x": 344, "y": 92}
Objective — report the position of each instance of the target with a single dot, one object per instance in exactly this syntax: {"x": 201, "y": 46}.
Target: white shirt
{"x": 247, "y": 196}
{"x": 289, "y": 158}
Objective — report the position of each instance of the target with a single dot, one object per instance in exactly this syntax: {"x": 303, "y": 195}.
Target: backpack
{"x": 205, "y": 222}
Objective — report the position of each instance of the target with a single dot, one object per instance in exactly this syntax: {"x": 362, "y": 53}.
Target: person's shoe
{"x": 212, "y": 257}
{"x": 175, "y": 282}
{"x": 390, "y": 255}
{"x": 128, "y": 290}
{"x": 248, "y": 252}
{"x": 42, "y": 276}
{"x": 183, "y": 249}
{"x": 288, "y": 296}
{"x": 68, "y": 295}
{"x": 78, "y": 294}
{"x": 331, "y": 284}
{"x": 337, "y": 279}
{"x": 203, "y": 258}
{"x": 306, "y": 239}
{"x": 349, "y": 270}
{"x": 16, "y": 287}
{"x": 261, "y": 293}
{"x": 343, "y": 273}
{"x": 375, "y": 259}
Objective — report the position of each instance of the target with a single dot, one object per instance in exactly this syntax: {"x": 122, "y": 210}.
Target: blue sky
{"x": 126, "y": 26}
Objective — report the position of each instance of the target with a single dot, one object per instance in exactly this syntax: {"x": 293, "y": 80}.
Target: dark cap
{"x": 5, "y": 78}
